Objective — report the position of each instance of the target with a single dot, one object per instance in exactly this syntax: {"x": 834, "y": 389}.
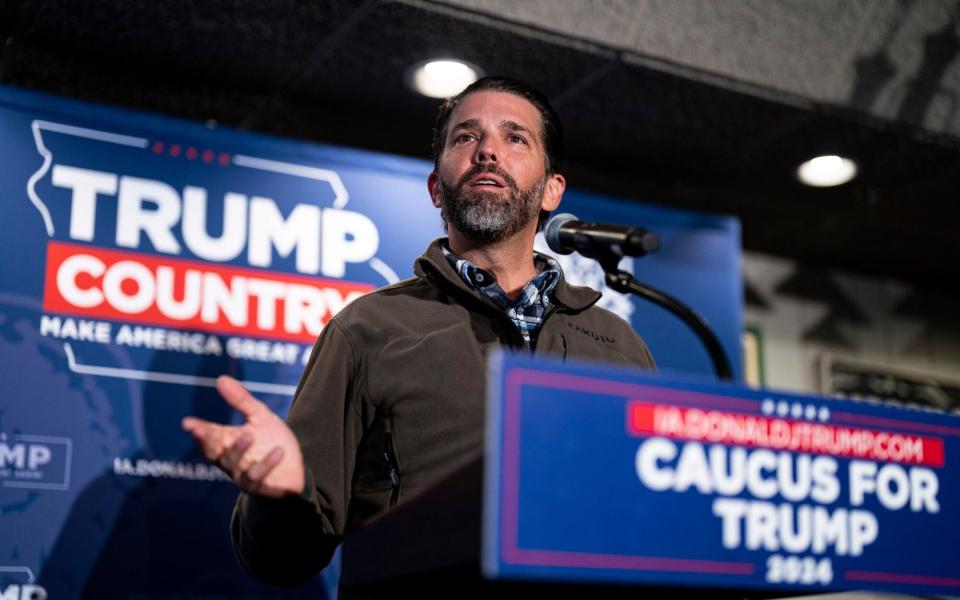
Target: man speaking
{"x": 392, "y": 399}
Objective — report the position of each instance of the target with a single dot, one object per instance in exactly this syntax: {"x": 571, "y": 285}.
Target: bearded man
{"x": 392, "y": 399}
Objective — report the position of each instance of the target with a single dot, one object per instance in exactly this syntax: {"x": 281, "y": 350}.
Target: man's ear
{"x": 553, "y": 192}
{"x": 433, "y": 187}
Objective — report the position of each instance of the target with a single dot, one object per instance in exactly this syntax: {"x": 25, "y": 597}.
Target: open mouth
{"x": 486, "y": 182}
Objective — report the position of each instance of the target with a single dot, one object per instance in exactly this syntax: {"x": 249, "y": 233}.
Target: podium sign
{"x": 603, "y": 474}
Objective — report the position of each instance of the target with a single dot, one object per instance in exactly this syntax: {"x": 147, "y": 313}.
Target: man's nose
{"x": 487, "y": 150}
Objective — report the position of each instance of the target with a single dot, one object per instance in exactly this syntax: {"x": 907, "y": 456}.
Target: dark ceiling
{"x": 332, "y": 72}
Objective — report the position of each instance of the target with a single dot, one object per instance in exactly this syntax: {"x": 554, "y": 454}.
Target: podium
{"x": 605, "y": 482}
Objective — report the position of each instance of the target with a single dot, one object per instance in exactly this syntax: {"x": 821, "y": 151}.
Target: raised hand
{"x": 262, "y": 456}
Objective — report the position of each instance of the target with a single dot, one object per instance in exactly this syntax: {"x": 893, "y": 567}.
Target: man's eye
{"x": 518, "y": 139}
{"x": 463, "y": 137}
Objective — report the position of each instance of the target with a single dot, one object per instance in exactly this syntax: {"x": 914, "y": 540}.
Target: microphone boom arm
{"x": 624, "y": 282}
{"x": 607, "y": 244}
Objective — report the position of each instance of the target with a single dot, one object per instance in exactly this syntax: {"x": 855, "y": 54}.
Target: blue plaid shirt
{"x": 526, "y": 312}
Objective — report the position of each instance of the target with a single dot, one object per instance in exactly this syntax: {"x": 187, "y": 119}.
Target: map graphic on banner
{"x": 145, "y": 256}
{"x": 135, "y": 249}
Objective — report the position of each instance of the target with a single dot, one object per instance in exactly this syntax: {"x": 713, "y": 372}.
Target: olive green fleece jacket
{"x": 392, "y": 400}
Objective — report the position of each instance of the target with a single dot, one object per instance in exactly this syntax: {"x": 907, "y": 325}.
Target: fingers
{"x": 238, "y": 397}
{"x": 247, "y": 474}
{"x": 230, "y": 458}
{"x": 208, "y": 435}
{"x": 230, "y": 446}
{"x": 251, "y": 479}
{"x": 194, "y": 426}
{"x": 222, "y": 445}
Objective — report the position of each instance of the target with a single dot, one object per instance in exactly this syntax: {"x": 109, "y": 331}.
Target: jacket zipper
{"x": 390, "y": 456}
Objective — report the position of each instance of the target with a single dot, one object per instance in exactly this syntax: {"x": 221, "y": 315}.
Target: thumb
{"x": 238, "y": 397}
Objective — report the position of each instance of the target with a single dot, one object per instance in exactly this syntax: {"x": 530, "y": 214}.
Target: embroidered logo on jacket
{"x": 606, "y": 339}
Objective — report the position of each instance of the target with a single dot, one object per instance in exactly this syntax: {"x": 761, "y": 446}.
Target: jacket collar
{"x": 434, "y": 264}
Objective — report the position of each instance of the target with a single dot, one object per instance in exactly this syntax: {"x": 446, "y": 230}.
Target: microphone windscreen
{"x": 551, "y": 232}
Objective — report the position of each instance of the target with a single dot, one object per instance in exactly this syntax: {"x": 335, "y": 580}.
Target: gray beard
{"x": 485, "y": 217}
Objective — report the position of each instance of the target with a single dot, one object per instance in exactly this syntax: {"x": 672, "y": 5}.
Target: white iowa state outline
{"x": 341, "y": 197}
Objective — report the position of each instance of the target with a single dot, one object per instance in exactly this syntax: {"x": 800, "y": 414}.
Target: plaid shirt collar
{"x": 528, "y": 309}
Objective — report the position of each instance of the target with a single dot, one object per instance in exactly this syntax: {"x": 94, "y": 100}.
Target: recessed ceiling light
{"x": 827, "y": 171}
{"x": 442, "y": 78}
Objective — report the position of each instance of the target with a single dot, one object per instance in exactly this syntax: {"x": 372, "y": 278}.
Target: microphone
{"x": 565, "y": 233}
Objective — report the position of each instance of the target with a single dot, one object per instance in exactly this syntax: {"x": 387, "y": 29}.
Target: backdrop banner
{"x": 144, "y": 256}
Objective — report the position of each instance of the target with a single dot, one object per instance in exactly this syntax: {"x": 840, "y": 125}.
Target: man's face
{"x": 491, "y": 179}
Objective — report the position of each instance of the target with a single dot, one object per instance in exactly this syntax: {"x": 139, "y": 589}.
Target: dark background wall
{"x": 698, "y": 104}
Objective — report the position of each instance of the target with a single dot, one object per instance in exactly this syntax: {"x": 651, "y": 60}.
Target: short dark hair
{"x": 552, "y": 129}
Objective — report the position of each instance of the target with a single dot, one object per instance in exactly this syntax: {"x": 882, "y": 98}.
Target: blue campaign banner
{"x": 598, "y": 473}
{"x": 145, "y": 255}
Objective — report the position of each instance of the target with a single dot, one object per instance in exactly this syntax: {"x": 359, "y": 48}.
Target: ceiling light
{"x": 826, "y": 171}
{"x": 442, "y": 78}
